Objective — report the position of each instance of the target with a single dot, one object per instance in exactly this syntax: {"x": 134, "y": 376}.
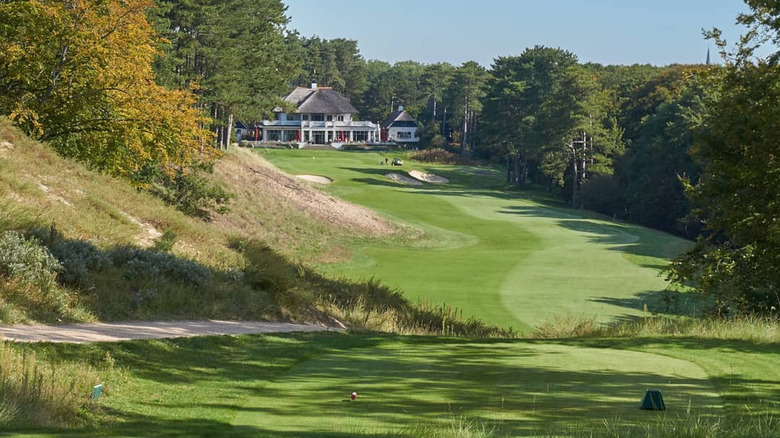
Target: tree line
{"x": 150, "y": 92}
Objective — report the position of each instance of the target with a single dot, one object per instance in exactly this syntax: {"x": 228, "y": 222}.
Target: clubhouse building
{"x": 321, "y": 116}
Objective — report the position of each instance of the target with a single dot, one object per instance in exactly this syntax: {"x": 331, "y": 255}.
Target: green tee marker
{"x": 96, "y": 391}
{"x": 653, "y": 400}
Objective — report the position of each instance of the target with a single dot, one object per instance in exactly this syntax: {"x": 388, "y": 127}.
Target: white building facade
{"x": 322, "y": 116}
{"x": 400, "y": 127}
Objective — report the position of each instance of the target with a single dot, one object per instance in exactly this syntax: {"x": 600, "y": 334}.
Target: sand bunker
{"x": 428, "y": 177}
{"x": 397, "y": 177}
{"x": 315, "y": 179}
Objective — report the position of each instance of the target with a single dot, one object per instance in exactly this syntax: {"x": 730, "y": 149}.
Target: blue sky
{"x": 657, "y": 32}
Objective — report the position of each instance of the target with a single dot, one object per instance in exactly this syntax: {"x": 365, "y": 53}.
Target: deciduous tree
{"x": 77, "y": 74}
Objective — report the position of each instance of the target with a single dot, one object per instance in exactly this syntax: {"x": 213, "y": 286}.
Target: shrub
{"x": 27, "y": 260}
{"x": 270, "y": 272}
{"x": 79, "y": 258}
{"x": 193, "y": 194}
{"x": 438, "y": 156}
{"x": 139, "y": 264}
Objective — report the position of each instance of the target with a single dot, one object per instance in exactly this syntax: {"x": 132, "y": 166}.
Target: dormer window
{"x": 329, "y": 117}
{"x": 340, "y": 117}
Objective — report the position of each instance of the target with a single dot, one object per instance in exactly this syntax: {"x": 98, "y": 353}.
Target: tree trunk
{"x": 575, "y": 176}
{"x": 464, "y": 132}
{"x": 229, "y": 131}
{"x": 584, "y": 154}
{"x": 215, "y": 126}
{"x": 518, "y": 181}
{"x": 508, "y": 171}
{"x": 524, "y": 171}
{"x": 444, "y": 125}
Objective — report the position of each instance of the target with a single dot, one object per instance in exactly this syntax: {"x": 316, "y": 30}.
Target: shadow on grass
{"x": 625, "y": 238}
{"x": 297, "y": 384}
{"x": 668, "y": 302}
{"x": 130, "y": 282}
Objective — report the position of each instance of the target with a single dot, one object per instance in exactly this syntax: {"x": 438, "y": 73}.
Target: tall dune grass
{"x": 43, "y": 393}
{"x": 758, "y": 329}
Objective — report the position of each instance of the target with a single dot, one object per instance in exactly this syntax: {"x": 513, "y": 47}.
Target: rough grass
{"x": 34, "y": 391}
{"x": 758, "y": 329}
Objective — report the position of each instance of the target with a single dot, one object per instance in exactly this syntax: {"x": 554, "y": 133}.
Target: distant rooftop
{"x": 400, "y": 118}
{"x": 320, "y": 100}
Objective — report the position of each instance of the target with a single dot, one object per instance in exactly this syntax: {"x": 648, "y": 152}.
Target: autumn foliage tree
{"x": 78, "y": 75}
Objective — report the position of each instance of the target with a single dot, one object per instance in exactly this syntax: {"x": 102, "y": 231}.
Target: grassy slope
{"x": 297, "y": 384}
{"x": 507, "y": 259}
{"x": 37, "y": 187}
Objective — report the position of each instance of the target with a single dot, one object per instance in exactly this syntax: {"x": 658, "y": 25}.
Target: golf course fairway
{"x": 506, "y": 258}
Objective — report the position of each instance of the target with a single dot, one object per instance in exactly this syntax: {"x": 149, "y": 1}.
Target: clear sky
{"x": 657, "y": 32}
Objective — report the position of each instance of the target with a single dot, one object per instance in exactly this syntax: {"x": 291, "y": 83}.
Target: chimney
{"x": 400, "y": 108}
{"x": 313, "y": 85}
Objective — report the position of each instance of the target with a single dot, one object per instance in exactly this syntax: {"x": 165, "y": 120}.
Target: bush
{"x": 438, "y": 156}
{"x": 27, "y": 260}
{"x": 139, "y": 264}
{"x": 270, "y": 272}
{"x": 193, "y": 194}
{"x": 79, "y": 258}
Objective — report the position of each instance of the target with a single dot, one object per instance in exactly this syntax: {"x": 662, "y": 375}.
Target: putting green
{"x": 519, "y": 387}
{"x": 504, "y": 258}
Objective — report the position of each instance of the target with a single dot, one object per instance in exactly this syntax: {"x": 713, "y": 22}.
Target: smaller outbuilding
{"x": 400, "y": 127}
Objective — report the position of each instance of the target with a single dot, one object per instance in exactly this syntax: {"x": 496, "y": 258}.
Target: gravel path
{"x": 122, "y": 331}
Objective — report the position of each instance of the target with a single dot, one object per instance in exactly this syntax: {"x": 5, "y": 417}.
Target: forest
{"x": 150, "y": 91}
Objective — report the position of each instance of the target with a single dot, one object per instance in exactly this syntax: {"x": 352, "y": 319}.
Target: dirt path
{"x": 122, "y": 331}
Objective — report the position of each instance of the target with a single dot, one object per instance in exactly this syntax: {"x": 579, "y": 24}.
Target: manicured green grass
{"x": 503, "y": 257}
{"x": 297, "y": 385}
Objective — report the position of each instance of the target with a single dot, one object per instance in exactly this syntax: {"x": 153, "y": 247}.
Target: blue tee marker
{"x": 96, "y": 391}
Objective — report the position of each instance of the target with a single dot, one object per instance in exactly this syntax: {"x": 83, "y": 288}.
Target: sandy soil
{"x": 148, "y": 232}
{"x": 397, "y": 177}
{"x": 315, "y": 179}
{"x": 5, "y": 148}
{"x": 268, "y": 181}
{"x": 122, "y": 331}
{"x": 428, "y": 177}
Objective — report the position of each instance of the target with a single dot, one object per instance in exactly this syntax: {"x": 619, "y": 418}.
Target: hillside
{"x": 38, "y": 187}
